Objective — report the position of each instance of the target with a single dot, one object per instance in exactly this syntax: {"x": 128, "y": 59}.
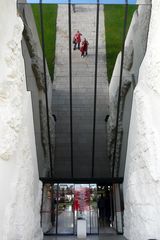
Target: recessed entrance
{"x": 66, "y": 203}
{"x": 63, "y": 204}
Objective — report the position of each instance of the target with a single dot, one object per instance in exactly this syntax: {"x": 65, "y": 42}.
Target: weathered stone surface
{"x": 46, "y": 218}
{"x": 142, "y": 178}
{"x": 37, "y": 67}
{"x": 44, "y": 133}
{"x": 19, "y": 181}
{"x": 135, "y": 47}
{"x": 32, "y": 53}
{"x": 36, "y": 60}
{"x": 128, "y": 56}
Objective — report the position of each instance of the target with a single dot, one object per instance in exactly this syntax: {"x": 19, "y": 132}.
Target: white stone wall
{"x": 135, "y": 48}
{"x": 142, "y": 172}
{"x": 20, "y": 189}
{"x": 46, "y": 216}
{"x": 32, "y": 53}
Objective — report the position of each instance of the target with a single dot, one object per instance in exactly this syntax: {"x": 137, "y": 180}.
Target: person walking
{"x": 77, "y": 40}
{"x": 101, "y": 207}
{"x": 74, "y": 8}
{"x": 84, "y": 48}
{"x": 107, "y": 208}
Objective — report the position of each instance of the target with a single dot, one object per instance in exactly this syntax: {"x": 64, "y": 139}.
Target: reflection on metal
{"x": 70, "y": 84}
{"x": 46, "y": 87}
{"x": 57, "y": 210}
{"x": 95, "y": 89}
{"x": 120, "y": 84}
{"x": 95, "y": 93}
{"x": 42, "y": 203}
{"x": 121, "y": 204}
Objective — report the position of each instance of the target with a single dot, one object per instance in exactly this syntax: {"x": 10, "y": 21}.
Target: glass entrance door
{"x": 65, "y": 209}
{"x": 93, "y": 209}
{"x": 85, "y": 206}
{"x": 64, "y": 204}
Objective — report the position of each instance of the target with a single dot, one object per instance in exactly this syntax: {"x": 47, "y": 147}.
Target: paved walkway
{"x": 83, "y": 20}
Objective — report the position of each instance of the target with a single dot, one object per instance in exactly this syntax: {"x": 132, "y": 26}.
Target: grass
{"x": 50, "y": 17}
{"x": 114, "y": 20}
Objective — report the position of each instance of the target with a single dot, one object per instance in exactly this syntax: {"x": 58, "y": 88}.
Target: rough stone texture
{"x": 46, "y": 215}
{"x": 35, "y": 83}
{"x": 44, "y": 133}
{"x": 135, "y": 47}
{"x": 83, "y": 96}
{"x": 142, "y": 178}
{"x": 36, "y": 61}
{"x": 19, "y": 180}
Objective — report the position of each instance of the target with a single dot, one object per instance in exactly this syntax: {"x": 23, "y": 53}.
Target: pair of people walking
{"x": 82, "y": 45}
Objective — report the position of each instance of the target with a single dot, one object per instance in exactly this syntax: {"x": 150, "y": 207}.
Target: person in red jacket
{"x": 77, "y": 40}
{"x": 84, "y": 47}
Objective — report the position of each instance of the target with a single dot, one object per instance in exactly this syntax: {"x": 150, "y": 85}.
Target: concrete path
{"x": 83, "y": 20}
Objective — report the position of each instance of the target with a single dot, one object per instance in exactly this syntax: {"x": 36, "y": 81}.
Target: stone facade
{"x": 142, "y": 178}
{"x": 32, "y": 54}
{"x": 19, "y": 180}
{"x": 135, "y": 48}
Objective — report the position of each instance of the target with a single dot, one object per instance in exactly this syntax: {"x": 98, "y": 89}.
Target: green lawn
{"x": 114, "y": 18}
{"x": 50, "y": 17}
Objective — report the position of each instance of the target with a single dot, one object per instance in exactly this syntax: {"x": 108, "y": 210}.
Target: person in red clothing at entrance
{"x": 84, "y": 48}
{"x": 77, "y": 40}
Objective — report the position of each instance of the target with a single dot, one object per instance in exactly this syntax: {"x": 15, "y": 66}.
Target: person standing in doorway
{"x": 77, "y": 40}
{"x": 107, "y": 208}
{"x": 101, "y": 207}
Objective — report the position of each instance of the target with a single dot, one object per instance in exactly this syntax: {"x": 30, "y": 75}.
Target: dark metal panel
{"x": 42, "y": 204}
{"x": 104, "y": 181}
{"x": 46, "y": 87}
{"x": 70, "y": 83}
{"x": 120, "y": 84}
{"x": 95, "y": 89}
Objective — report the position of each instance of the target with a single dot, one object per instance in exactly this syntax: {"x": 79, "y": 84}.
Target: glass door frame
{"x": 74, "y": 232}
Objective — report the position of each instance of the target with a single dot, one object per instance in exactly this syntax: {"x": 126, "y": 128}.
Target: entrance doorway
{"x": 63, "y": 204}
{"x": 105, "y": 208}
